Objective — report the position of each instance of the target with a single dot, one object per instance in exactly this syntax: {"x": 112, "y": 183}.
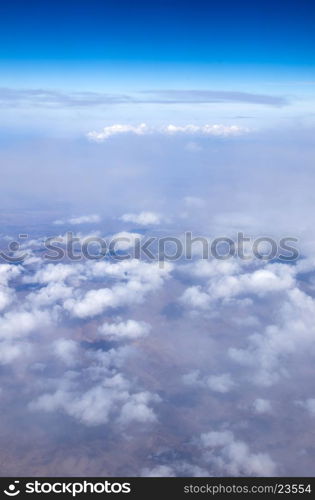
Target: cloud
{"x": 7, "y": 274}
{"x": 17, "y": 324}
{"x": 233, "y": 457}
{"x": 53, "y": 99}
{"x": 66, "y": 350}
{"x": 129, "y": 329}
{"x": 50, "y": 295}
{"x": 10, "y": 351}
{"x": 118, "y": 129}
{"x": 136, "y": 409}
{"x": 224, "y": 286}
{"x": 143, "y": 218}
{"x": 53, "y": 273}
{"x": 206, "y": 130}
{"x": 221, "y": 383}
{"x": 292, "y": 332}
{"x": 83, "y": 219}
{"x": 220, "y": 96}
{"x": 137, "y": 279}
{"x": 96, "y": 406}
{"x": 216, "y": 130}
{"x": 262, "y": 406}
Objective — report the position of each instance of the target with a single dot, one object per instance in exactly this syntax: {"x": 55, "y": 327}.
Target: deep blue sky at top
{"x": 37, "y": 35}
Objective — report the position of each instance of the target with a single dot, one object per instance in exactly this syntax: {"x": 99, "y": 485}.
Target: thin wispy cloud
{"x": 50, "y": 98}
{"x": 75, "y": 221}
{"x": 215, "y": 96}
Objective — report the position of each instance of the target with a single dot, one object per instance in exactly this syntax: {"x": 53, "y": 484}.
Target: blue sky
{"x": 127, "y": 48}
{"x": 143, "y": 42}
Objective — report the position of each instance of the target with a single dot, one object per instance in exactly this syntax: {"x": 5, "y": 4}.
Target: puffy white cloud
{"x": 94, "y": 302}
{"x": 6, "y": 297}
{"x": 206, "y": 269}
{"x": 293, "y": 332}
{"x": 136, "y": 408}
{"x": 17, "y": 324}
{"x": 260, "y": 282}
{"x": 135, "y": 280}
{"x": 216, "y": 130}
{"x": 98, "y": 404}
{"x": 50, "y": 294}
{"x": 118, "y": 129}
{"x": 143, "y": 218}
{"x": 194, "y": 297}
{"x": 227, "y": 282}
{"x": 7, "y": 273}
{"x": 129, "y": 329}
{"x": 54, "y": 273}
{"x": 233, "y": 457}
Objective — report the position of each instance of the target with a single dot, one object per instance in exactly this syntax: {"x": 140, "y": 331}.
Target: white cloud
{"x": 233, "y": 457}
{"x": 50, "y": 294}
{"x": 99, "y": 404}
{"x": 53, "y": 273}
{"x": 143, "y": 218}
{"x": 225, "y": 283}
{"x": 216, "y": 130}
{"x": 135, "y": 280}
{"x": 116, "y": 129}
{"x": 17, "y": 324}
{"x": 129, "y": 329}
{"x": 7, "y": 273}
{"x": 207, "y": 130}
{"x": 293, "y": 332}
{"x": 136, "y": 409}
{"x": 194, "y": 297}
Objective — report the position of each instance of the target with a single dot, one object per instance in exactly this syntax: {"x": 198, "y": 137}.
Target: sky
{"x": 126, "y": 121}
{"x": 64, "y": 67}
